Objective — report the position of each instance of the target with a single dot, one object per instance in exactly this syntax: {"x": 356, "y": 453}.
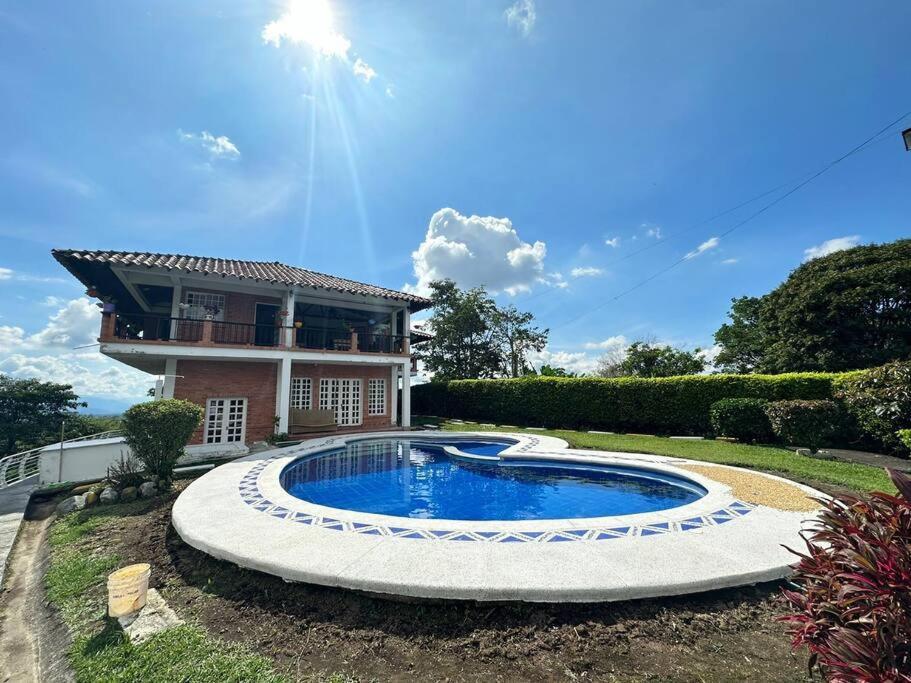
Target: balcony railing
{"x": 186, "y": 331}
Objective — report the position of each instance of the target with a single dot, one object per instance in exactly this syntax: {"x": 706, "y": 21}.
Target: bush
{"x": 804, "y": 423}
{"x": 853, "y": 600}
{"x": 744, "y": 419}
{"x": 880, "y": 400}
{"x": 157, "y": 432}
{"x": 664, "y": 405}
{"x": 905, "y": 436}
{"x": 125, "y": 472}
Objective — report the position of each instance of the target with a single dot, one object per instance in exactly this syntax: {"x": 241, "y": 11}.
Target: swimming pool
{"x": 447, "y": 480}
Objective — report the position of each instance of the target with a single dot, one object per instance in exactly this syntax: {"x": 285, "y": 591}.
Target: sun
{"x": 310, "y": 22}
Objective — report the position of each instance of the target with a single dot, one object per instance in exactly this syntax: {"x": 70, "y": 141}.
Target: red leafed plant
{"x": 853, "y": 588}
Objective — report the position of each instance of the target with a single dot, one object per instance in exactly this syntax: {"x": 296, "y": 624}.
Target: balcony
{"x": 156, "y": 329}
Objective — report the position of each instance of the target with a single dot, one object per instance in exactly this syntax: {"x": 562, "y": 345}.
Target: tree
{"x": 31, "y": 412}
{"x": 516, "y": 338}
{"x": 848, "y": 310}
{"x": 474, "y": 339}
{"x": 648, "y": 359}
{"x": 157, "y": 431}
{"x": 554, "y": 371}
{"x": 742, "y": 344}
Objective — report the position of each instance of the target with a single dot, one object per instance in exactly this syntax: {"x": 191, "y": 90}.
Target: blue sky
{"x": 275, "y": 132}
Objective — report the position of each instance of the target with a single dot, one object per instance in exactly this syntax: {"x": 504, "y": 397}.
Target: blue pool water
{"x": 375, "y": 477}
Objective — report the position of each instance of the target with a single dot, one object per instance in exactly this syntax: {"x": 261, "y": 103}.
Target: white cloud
{"x": 477, "y": 250}
{"x": 730, "y": 261}
{"x": 53, "y": 301}
{"x": 651, "y": 230}
{"x": 49, "y": 355}
{"x": 522, "y": 16}
{"x": 578, "y": 362}
{"x": 363, "y": 70}
{"x": 709, "y": 355}
{"x": 709, "y": 244}
{"x": 616, "y": 343}
{"x": 613, "y": 242}
{"x": 587, "y": 271}
{"x": 219, "y": 146}
{"x": 390, "y": 91}
{"x": 831, "y": 246}
{"x": 6, "y": 274}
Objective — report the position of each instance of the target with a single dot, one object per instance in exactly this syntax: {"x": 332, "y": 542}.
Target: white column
{"x": 288, "y": 305}
{"x": 406, "y": 394}
{"x": 283, "y": 394}
{"x": 176, "y": 298}
{"x": 170, "y": 378}
{"x": 394, "y": 394}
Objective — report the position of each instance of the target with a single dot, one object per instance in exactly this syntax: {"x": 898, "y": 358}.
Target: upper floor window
{"x": 201, "y": 304}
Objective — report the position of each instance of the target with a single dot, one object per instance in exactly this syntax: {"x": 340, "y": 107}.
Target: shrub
{"x": 744, "y": 419}
{"x": 905, "y": 436}
{"x": 664, "y": 405}
{"x": 804, "y": 423}
{"x": 880, "y": 400}
{"x": 125, "y": 472}
{"x": 157, "y": 432}
{"x": 854, "y": 588}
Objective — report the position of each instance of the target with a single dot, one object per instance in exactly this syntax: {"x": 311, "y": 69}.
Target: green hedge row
{"x": 666, "y": 405}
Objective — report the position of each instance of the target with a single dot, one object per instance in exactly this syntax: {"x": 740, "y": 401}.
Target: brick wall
{"x": 256, "y": 382}
{"x": 202, "y": 380}
{"x": 240, "y": 307}
{"x": 362, "y": 372}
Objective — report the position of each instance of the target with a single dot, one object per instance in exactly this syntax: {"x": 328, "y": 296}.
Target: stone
{"x": 155, "y": 617}
{"x": 109, "y": 495}
{"x": 148, "y": 489}
{"x": 79, "y": 490}
{"x": 129, "y": 493}
{"x": 71, "y": 504}
{"x": 91, "y": 497}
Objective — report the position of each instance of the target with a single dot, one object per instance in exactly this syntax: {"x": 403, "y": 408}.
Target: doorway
{"x": 267, "y": 330}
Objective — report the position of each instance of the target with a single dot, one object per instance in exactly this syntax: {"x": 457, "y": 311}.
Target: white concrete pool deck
{"x": 239, "y": 512}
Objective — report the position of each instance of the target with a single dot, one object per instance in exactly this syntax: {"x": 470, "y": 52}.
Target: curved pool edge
{"x": 663, "y": 555}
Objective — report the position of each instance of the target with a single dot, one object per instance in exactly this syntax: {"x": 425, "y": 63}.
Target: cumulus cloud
{"x": 477, "y": 250}
{"x": 579, "y": 362}
{"x": 219, "y": 146}
{"x": 613, "y": 242}
{"x": 587, "y": 271}
{"x": 6, "y": 274}
{"x": 363, "y": 70}
{"x": 522, "y": 16}
{"x": 831, "y": 246}
{"x": 616, "y": 343}
{"x": 49, "y": 355}
{"x": 708, "y": 245}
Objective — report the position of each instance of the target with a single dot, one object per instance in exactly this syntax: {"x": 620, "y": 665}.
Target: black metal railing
{"x": 249, "y": 334}
{"x": 157, "y": 328}
{"x": 322, "y": 339}
{"x": 369, "y": 342}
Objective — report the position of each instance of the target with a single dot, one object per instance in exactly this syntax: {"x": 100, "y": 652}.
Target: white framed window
{"x": 301, "y": 388}
{"x": 376, "y": 397}
{"x": 226, "y": 420}
{"x": 199, "y": 304}
{"x": 344, "y": 397}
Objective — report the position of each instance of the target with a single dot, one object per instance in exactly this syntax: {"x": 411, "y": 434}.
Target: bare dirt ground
{"x": 727, "y": 635}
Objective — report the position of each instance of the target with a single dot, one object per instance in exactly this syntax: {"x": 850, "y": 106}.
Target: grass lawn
{"x": 75, "y": 584}
{"x": 767, "y": 458}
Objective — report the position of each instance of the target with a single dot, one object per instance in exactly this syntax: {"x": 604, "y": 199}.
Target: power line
{"x": 740, "y": 224}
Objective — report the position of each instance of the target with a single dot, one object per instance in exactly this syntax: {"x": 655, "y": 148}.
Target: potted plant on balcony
{"x": 298, "y": 324}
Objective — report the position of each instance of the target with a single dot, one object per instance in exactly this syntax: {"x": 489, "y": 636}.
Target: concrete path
{"x": 874, "y": 459}
{"x": 13, "y": 502}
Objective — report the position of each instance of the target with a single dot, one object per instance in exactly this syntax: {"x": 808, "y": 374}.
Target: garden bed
{"x": 308, "y": 633}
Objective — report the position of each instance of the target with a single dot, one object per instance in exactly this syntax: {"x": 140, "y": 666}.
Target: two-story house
{"x": 249, "y": 341}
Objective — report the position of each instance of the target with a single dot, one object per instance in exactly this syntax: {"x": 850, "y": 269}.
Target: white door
{"x": 344, "y": 397}
{"x": 226, "y": 420}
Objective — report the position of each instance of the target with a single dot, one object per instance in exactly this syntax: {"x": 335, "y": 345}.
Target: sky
{"x": 560, "y": 153}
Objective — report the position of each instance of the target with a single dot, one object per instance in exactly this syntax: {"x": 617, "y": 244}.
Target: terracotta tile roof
{"x": 259, "y": 271}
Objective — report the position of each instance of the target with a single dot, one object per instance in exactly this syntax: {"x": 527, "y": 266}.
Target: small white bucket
{"x": 127, "y": 589}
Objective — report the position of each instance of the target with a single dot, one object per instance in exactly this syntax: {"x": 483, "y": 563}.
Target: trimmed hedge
{"x": 744, "y": 419}
{"x": 663, "y": 405}
{"x": 804, "y": 423}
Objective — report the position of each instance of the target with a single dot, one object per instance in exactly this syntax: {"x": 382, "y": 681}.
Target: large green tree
{"x": 473, "y": 338}
{"x": 647, "y": 359}
{"x": 848, "y": 310}
{"x": 31, "y": 412}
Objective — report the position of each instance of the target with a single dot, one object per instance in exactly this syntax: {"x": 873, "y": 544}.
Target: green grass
{"x": 75, "y": 584}
{"x": 767, "y": 458}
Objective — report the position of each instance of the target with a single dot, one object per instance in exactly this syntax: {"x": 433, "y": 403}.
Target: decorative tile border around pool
{"x": 251, "y": 494}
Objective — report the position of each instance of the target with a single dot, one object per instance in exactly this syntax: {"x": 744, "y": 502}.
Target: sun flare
{"x": 310, "y": 22}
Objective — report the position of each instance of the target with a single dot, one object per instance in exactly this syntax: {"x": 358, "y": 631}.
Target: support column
{"x": 406, "y": 395}
{"x": 288, "y": 305}
{"x": 394, "y": 395}
{"x": 283, "y": 398}
{"x": 176, "y": 298}
{"x": 170, "y": 378}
